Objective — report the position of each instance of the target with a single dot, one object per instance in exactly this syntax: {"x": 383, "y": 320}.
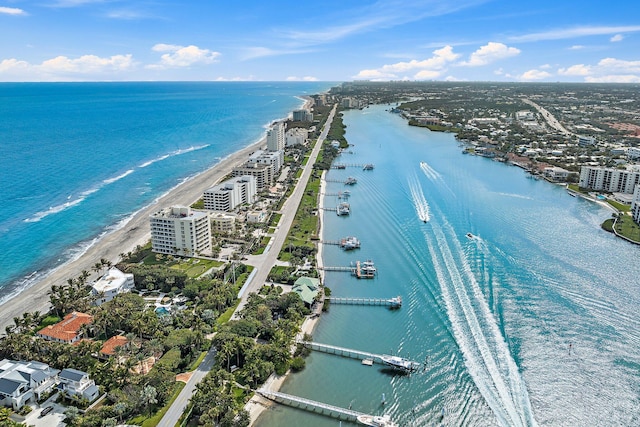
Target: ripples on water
{"x": 493, "y": 315}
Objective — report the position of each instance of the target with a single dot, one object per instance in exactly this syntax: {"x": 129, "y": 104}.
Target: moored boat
{"x": 399, "y": 363}
{"x": 376, "y": 420}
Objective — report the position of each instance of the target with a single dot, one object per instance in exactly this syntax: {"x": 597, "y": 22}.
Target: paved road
{"x": 553, "y": 122}
{"x": 262, "y": 264}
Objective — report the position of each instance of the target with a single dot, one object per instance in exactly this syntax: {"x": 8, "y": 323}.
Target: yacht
{"x": 368, "y": 167}
{"x": 350, "y": 181}
{"x": 349, "y": 243}
{"x": 470, "y": 236}
{"x": 343, "y": 209}
{"x": 400, "y": 363}
{"x": 376, "y": 420}
{"x": 367, "y": 267}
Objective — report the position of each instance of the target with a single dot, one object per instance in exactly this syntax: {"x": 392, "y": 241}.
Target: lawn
{"x": 196, "y": 267}
{"x": 627, "y": 228}
{"x": 155, "y": 419}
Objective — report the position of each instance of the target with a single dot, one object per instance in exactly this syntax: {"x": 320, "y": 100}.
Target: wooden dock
{"x": 364, "y": 166}
{"x": 311, "y": 405}
{"x": 361, "y": 270}
{"x": 395, "y": 302}
{"x": 353, "y": 354}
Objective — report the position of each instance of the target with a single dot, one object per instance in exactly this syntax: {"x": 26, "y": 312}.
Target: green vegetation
{"x": 627, "y": 228}
{"x": 199, "y": 204}
{"x": 621, "y": 207}
{"x": 263, "y": 244}
{"x": 608, "y": 225}
{"x": 305, "y": 225}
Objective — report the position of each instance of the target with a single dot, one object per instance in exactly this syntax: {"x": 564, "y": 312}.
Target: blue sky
{"x": 329, "y": 40}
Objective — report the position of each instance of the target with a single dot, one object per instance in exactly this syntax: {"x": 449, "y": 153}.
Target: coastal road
{"x": 262, "y": 265}
{"x": 175, "y": 411}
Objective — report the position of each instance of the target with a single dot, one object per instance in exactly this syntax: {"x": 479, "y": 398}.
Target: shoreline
{"x": 121, "y": 240}
{"x": 133, "y": 232}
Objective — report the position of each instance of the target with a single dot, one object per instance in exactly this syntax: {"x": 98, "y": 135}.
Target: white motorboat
{"x": 376, "y": 421}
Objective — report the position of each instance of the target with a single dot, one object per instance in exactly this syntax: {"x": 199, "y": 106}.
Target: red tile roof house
{"x": 68, "y": 330}
{"x": 109, "y": 347}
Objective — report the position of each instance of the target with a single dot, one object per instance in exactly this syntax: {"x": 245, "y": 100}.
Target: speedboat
{"x": 376, "y": 420}
{"x": 470, "y": 236}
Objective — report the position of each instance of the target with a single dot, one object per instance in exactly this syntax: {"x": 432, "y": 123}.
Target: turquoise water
{"x": 533, "y": 321}
{"x": 78, "y": 159}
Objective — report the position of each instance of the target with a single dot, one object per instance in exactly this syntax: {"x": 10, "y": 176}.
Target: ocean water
{"x": 533, "y": 321}
{"x": 78, "y": 159}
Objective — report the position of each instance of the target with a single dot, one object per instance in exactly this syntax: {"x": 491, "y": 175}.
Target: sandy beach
{"x": 133, "y": 233}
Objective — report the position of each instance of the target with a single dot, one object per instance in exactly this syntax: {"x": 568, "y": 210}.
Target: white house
{"x": 556, "y": 174}
{"x": 111, "y": 284}
{"x": 78, "y": 385}
{"x": 25, "y": 382}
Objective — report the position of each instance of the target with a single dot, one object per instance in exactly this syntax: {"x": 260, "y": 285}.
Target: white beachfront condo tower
{"x": 111, "y": 284}
{"x": 179, "y": 230}
{"x": 275, "y": 137}
{"x": 231, "y": 193}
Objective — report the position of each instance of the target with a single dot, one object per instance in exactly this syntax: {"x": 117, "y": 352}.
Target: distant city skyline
{"x": 442, "y": 40}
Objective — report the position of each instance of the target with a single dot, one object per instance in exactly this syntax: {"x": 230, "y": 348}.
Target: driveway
{"x": 54, "y": 418}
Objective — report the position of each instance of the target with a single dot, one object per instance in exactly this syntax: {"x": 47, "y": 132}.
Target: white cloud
{"x": 429, "y": 68}
{"x": 619, "y": 65}
{"x": 628, "y": 78}
{"x": 12, "y": 11}
{"x": 569, "y": 33}
{"x": 575, "y": 70}
{"x": 534, "y": 75}
{"x": 610, "y": 70}
{"x": 490, "y": 52}
{"x": 302, "y": 79}
{"x": 182, "y": 56}
{"x": 62, "y": 68}
{"x": 545, "y": 66}
{"x": 260, "y": 52}
{"x": 10, "y": 65}
{"x": 616, "y": 38}
{"x": 576, "y": 47}
{"x": 378, "y": 14}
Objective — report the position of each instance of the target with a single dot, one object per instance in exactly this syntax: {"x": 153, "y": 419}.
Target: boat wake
{"x": 476, "y": 331}
{"x": 419, "y": 202}
{"x": 430, "y": 172}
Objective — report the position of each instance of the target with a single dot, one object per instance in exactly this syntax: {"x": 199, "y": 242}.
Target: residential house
{"x": 77, "y": 385}
{"x": 69, "y": 330}
{"x": 111, "y": 284}
{"x": 25, "y": 382}
{"x": 307, "y": 288}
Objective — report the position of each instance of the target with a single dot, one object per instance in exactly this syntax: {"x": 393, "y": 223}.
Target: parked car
{"x": 45, "y": 411}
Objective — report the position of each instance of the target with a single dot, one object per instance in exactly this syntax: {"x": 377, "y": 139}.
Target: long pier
{"x": 311, "y": 405}
{"x": 364, "y": 270}
{"x": 398, "y": 362}
{"x": 341, "y": 351}
{"x": 365, "y": 166}
{"x": 394, "y": 302}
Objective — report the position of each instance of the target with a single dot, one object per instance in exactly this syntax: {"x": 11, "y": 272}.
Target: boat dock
{"x": 346, "y": 243}
{"x": 363, "y": 166}
{"x": 394, "y": 302}
{"x": 311, "y": 405}
{"x": 349, "y": 181}
{"x": 351, "y": 353}
{"x": 361, "y": 270}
